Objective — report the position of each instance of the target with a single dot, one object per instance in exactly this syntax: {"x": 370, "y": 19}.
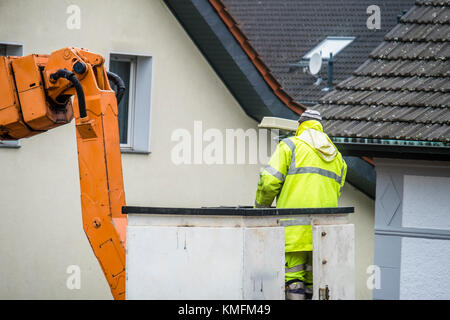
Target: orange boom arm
{"x": 35, "y": 96}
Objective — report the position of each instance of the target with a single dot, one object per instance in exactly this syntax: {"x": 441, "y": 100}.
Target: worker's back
{"x": 305, "y": 171}
{"x": 316, "y": 170}
{"x": 314, "y": 179}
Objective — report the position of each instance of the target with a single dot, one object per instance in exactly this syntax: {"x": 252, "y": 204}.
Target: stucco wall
{"x": 41, "y": 231}
{"x": 424, "y": 263}
{"x": 363, "y": 219}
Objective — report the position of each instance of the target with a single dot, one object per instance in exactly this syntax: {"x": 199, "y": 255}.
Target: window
{"x": 330, "y": 45}
{"x": 125, "y": 67}
{"x": 10, "y": 49}
{"x": 134, "y": 108}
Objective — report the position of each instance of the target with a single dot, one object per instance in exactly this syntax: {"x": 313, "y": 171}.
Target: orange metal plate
{"x": 36, "y": 111}
{"x": 12, "y": 126}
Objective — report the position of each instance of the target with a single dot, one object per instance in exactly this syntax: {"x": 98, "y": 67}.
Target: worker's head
{"x": 310, "y": 119}
{"x": 310, "y": 115}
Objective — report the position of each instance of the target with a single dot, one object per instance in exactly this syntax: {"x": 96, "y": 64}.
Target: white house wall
{"x": 363, "y": 219}
{"x": 412, "y": 233}
{"x": 424, "y": 264}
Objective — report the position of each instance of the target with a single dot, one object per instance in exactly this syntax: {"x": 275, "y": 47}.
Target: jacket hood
{"x": 311, "y": 132}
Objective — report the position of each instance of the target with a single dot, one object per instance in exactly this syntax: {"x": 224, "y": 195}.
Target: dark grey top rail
{"x": 236, "y": 211}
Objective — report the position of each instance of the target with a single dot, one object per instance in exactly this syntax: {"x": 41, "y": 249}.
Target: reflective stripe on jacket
{"x": 305, "y": 171}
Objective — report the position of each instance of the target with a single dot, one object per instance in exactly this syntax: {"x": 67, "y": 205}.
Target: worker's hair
{"x": 310, "y": 115}
{"x": 307, "y": 119}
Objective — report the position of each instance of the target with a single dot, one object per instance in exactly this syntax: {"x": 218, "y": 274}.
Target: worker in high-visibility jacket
{"x": 305, "y": 171}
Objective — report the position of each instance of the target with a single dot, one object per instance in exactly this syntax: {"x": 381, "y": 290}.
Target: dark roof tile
{"x": 354, "y": 97}
{"x": 439, "y": 133}
{"x": 421, "y": 100}
{"x": 399, "y": 32}
{"x": 376, "y": 113}
{"x": 349, "y": 82}
{"x": 383, "y": 50}
{"x": 409, "y": 131}
{"x": 433, "y": 2}
{"x": 440, "y": 33}
{"x": 413, "y": 50}
{"x": 403, "y": 90}
{"x": 393, "y": 98}
{"x": 429, "y": 131}
{"x": 350, "y": 113}
{"x": 439, "y": 99}
{"x": 412, "y": 68}
{"x": 437, "y": 115}
{"x": 408, "y": 50}
{"x": 422, "y": 84}
{"x": 427, "y": 14}
{"x": 419, "y": 32}
{"x": 391, "y": 83}
{"x": 406, "y": 114}
{"x": 374, "y": 98}
{"x": 282, "y": 32}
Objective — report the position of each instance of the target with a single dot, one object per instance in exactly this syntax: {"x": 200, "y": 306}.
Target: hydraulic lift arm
{"x": 35, "y": 96}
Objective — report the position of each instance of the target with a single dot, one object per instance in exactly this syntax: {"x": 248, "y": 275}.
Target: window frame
{"x": 139, "y": 138}
{"x": 349, "y": 40}
{"x": 16, "y": 49}
{"x": 131, "y": 97}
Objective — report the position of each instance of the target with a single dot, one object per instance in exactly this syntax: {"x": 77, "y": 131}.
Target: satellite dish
{"x": 315, "y": 63}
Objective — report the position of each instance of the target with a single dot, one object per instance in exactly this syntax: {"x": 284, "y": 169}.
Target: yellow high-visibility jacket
{"x": 305, "y": 171}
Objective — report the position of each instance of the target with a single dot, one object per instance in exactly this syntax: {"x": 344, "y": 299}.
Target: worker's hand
{"x": 257, "y": 206}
